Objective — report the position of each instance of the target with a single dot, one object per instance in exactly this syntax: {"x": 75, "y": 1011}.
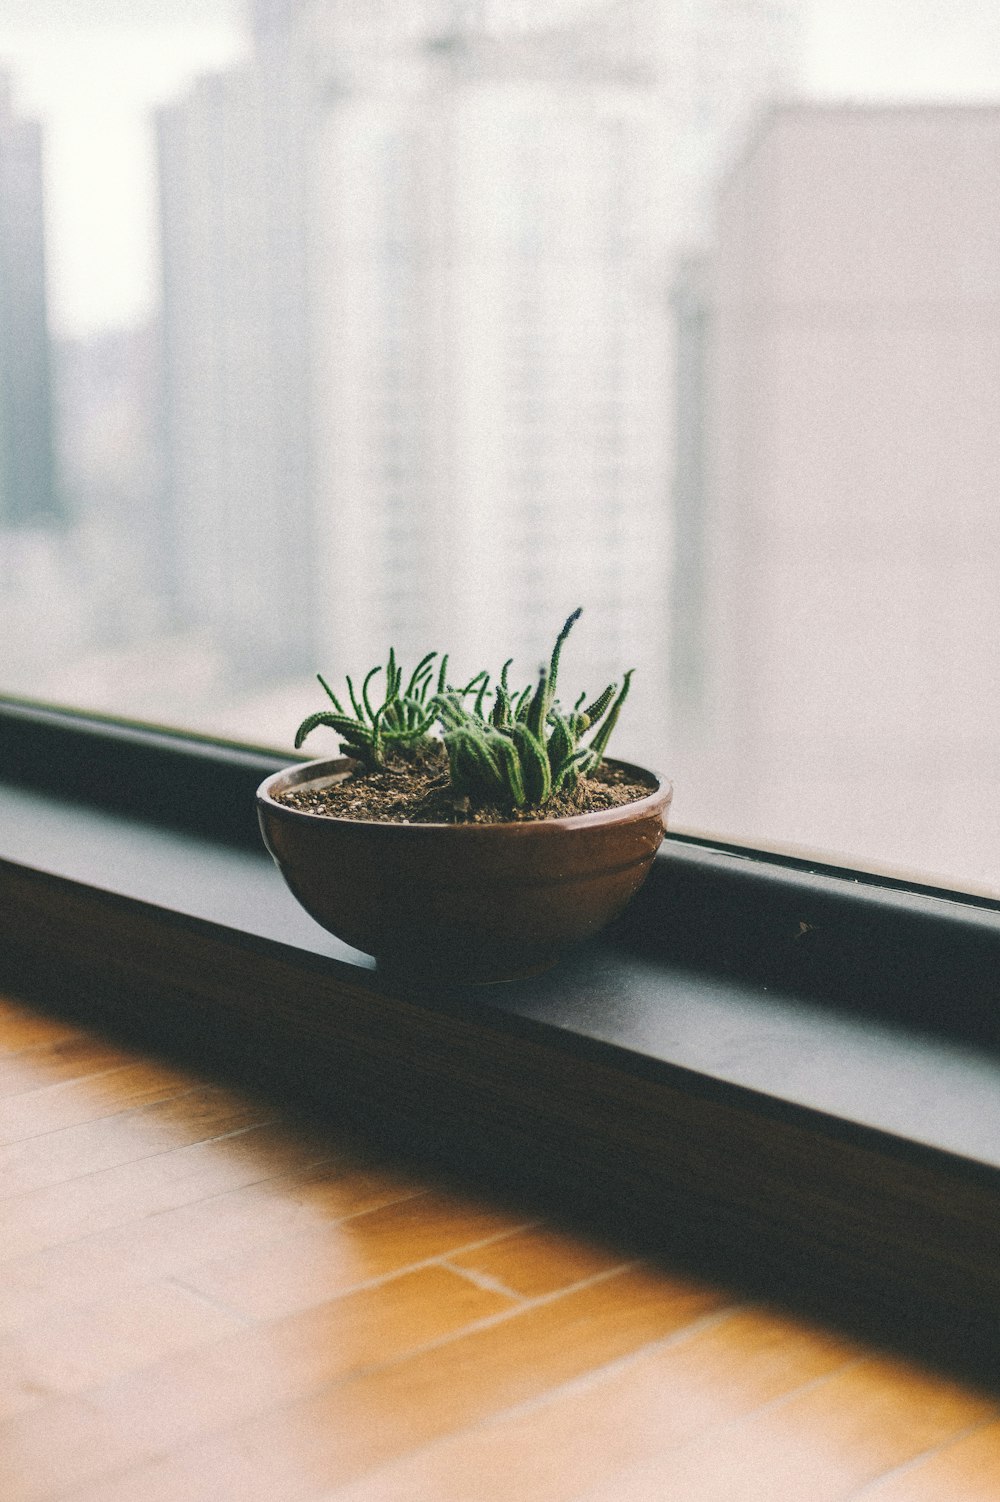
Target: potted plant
{"x": 465, "y": 833}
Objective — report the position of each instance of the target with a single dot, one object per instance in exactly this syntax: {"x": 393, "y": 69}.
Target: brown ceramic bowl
{"x": 462, "y": 901}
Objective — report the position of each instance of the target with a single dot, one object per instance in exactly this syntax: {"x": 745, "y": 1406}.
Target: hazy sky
{"x": 93, "y": 69}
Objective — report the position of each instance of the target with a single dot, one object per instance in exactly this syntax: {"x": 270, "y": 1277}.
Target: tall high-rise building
{"x": 419, "y": 386}
{"x": 493, "y": 367}
{"x": 234, "y": 158}
{"x": 28, "y": 493}
{"x": 838, "y": 523}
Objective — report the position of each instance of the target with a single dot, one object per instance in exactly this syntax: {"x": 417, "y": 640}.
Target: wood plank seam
{"x": 10, "y": 1200}
{"x": 246, "y": 1320}
{"x": 793, "y": 1393}
{"x": 486, "y": 1322}
{"x": 140, "y": 1158}
{"x": 75, "y": 1079}
{"x": 482, "y": 1280}
{"x": 379, "y": 1279}
{"x": 915, "y": 1462}
{"x": 109, "y": 1116}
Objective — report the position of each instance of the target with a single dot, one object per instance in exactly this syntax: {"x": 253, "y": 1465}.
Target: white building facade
{"x": 492, "y": 357}
{"x": 417, "y": 340}
{"x": 844, "y": 532}
{"x": 234, "y": 161}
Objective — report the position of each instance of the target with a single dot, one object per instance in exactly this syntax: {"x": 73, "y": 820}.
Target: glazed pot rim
{"x": 658, "y": 798}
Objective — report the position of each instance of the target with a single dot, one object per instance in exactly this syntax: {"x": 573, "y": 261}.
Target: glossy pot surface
{"x": 464, "y": 901}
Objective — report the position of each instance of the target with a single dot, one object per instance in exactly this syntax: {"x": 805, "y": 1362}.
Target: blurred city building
{"x": 499, "y": 207}
{"x": 239, "y": 518}
{"x": 41, "y": 614}
{"x": 28, "y": 491}
{"x": 106, "y": 399}
{"x": 838, "y": 532}
{"x": 419, "y": 380}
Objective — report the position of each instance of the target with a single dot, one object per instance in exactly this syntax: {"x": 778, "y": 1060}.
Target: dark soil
{"x": 421, "y": 793}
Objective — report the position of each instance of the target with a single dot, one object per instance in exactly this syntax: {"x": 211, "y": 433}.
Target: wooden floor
{"x": 200, "y": 1300}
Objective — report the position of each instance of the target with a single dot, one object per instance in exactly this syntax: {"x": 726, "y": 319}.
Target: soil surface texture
{"x": 421, "y": 793}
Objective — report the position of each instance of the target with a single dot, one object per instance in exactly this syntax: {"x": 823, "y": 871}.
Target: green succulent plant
{"x": 527, "y": 747}
{"x": 399, "y": 724}
{"x": 520, "y": 749}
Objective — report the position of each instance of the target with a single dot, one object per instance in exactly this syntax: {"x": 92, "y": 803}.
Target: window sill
{"x": 754, "y": 1073}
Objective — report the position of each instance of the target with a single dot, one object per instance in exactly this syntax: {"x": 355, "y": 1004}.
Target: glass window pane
{"x": 330, "y": 324}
